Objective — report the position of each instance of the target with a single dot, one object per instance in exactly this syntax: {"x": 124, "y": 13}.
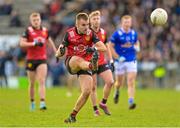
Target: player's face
{"x": 36, "y": 21}
{"x": 82, "y": 26}
{"x": 126, "y": 23}
{"x": 95, "y": 21}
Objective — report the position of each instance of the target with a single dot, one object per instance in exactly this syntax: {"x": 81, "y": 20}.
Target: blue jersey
{"x": 124, "y": 43}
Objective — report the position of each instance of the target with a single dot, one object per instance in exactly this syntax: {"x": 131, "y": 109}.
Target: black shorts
{"x": 101, "y": 68}
{"x": 31, "y": 65}
{"x": 81, "y": 72}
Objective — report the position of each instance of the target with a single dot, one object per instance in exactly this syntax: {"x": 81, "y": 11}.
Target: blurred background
{"x": 159, "y": 58}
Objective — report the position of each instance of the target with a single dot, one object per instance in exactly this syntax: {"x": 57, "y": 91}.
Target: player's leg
{"x": 70, "y": 82}
{"x": 108, "y": 79}
{"x": 77, "y": 63}
{"x": 117, "y": 85}
{"x": 41, "y": 72}
{"x": 86, "y": 82}
{"x": 131, "y": 78}
{"x": 119, "y": 80}
{"x": 94, "y": 95}
{"x": 31, "y": 78}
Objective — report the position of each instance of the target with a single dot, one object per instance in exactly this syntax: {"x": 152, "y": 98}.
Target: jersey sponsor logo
{"x": 126, "y": 45}
{"x": 80, "y": 48}
{"x": 40, "y": 39}
{"x": 33, "y": 33}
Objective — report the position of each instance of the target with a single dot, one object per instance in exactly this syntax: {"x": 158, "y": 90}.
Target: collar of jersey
{"x": 124, "y": 30}
{"x": 77, "y": 31}
{"x": 36, "y": 29}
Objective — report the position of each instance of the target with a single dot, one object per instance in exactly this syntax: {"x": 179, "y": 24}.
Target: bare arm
{"x": 100, "y": 46}
{"x": 113, "y": 52}
{"x": 109, "y": 54}
{"x": 137, "y": 46}
{"x": 24, "y": 44}
{"x": 51, "y": 42}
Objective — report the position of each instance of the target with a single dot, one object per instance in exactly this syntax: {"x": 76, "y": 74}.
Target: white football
{"x": 159, "y": 16}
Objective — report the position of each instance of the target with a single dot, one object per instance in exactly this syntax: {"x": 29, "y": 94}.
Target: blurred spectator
{"x": 15, "y": 20}
{"x": 55, "y": 7}
{"x": 4, "y": 57}
{"x": 3, "y": 77}
{"x": 6, "y": 7}
{"x": 55, "y": 28}
{"x": 57, "y": 70}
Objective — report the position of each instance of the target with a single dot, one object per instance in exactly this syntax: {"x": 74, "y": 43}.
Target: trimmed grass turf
{"x": 154, "y": 108}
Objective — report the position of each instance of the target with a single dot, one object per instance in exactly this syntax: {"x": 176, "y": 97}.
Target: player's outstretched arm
{"x": 23, "y": 43}
{"x": 100, "y": 46}
{"x": 113, "y": 52}
{"x": 137, "y": 46}
{"x": 51, "y": 42}
{"x": 109, "y": 54}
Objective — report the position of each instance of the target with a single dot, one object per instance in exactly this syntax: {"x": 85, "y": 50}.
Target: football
{"x": 159, "y": 16}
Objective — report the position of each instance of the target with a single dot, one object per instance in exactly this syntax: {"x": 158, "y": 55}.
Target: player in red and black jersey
{"x": 81, "y": 58}
{"x": 103, "y": 67}
{"x": 34, "y": 40}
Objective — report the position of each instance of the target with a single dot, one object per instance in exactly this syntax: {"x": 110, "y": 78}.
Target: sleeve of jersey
{"x": 113, "y": 37}
{"x": 65, "y": 40}
{"x": 95, "y": 39}
{"x": 25, "y": 34}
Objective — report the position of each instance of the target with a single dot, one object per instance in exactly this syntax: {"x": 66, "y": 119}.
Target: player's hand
{"x": 91, "y": 49}
{"x": 36, "y": 43}
{"x": 121, "y": 59}
{"x": 112, "y": 66}
{"x": 137, "y": 48}
{"x": 61, "y": 51}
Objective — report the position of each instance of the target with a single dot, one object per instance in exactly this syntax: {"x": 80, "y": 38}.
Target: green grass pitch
{"x": 154, "y": 108}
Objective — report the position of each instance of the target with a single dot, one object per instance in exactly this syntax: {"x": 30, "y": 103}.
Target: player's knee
{"x": 32, "y": 84}
{"x": 131, "y": 81}
{"x": 118, "y": 84}
{"x": 86, "y": 92}
{"x": 93, "y": 89}
{"x": 41, "y": 81}
{"x": 110, "y": 82}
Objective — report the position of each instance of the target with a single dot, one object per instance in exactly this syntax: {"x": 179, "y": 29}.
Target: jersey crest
{"x": 87, "y": 38}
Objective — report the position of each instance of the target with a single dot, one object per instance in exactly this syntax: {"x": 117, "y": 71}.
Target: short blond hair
{"x": 82, "y": 15}
{"x": 34, "y": 14}
{"x": 94, "y": 13}
{"x": 126, "y": 17}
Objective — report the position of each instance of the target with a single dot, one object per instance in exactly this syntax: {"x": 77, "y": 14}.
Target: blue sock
{"x": 32, "y": 107}
{"x": 42, "y": 104}
{"x": 131, "y": 101}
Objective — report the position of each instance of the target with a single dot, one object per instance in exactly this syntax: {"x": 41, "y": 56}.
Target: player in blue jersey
{"x": 124, "y": 45}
